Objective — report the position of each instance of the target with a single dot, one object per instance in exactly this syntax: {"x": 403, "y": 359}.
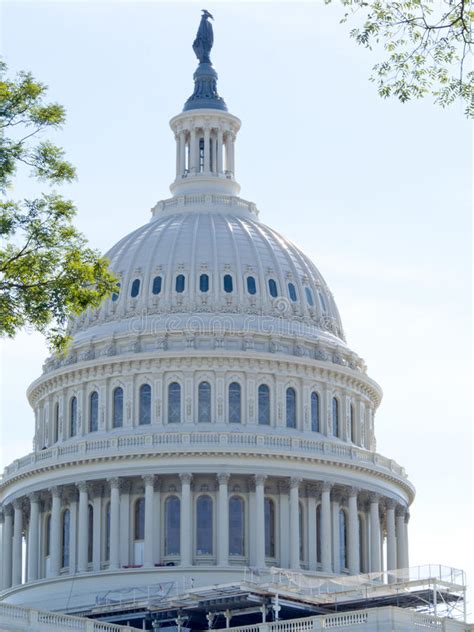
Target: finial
{"x": 204, "y": 38}
{"x": 205, "y": 78}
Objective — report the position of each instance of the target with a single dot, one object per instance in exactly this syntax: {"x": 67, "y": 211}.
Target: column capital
{"x": 260, "y": 479}
{"x": 149, "y": 480}
{"x": 295, "y": 482}
{"x": 55, "y": 491}
{"x": 18, "y": 503}
{"x": 34, "y": 497}
{"x": 374, "y": 498}
{"x": 407, "y": 516}
{"x": 390, "y": 503}
{"x": 223, "y": 478}
{"x": 114, "y": 483}
{"x": 400, "y": 511}
{"x": 326, "y": 486}
{"x": 8, "y": 510}
{"x": 353, "y": 492}
{"x": 82, "y": 486}
{"x": 186, "y": 478}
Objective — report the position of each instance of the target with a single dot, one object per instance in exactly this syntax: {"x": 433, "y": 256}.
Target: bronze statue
{"x": 204, "y": 38}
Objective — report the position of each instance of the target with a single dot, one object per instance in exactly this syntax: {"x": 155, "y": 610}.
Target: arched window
{"x": 352, "y": 424}
{"x": 73, "y": 417}
{"x": 322, "y": 301}
{"x": 144, "y": 405}
{"x": 90, "y": 529}
{"x": 335, "y": 417}
{"x": 235, "y": 403}
{"x": 263, "y": 405}
{"x": 94, "y": 412}
{"x": 115, "y": 295}
{"x": 117, "y": 408}
{"x": 309, "y": 296}
{"x": 251, "y": 285}
{"x": 318, "y": 534}
{"x": 180, "y": 283}
{"x": 343, "y": 539}
{"x": 107, "y": 533}
{"x": 269, "y": 506}
{"x": 204, "y": 525}
{"x": 204, "y": 283}
{"x": 56, "y": 423}
{"x": 236, "y": 526}
{"x": 292, "y": 292}
{"x": 314, "y": 412}
{"x": 139, "y": 519}
{"x": 135, "y": 291}
{"x": 66, "y": 525}
{"x": 290, "y": 408}
{"x": 174, "y": 403}
{"x": 204, "y": 402}
{"x": 301, "y": 530}
{"x": 228, "y": 283}
{"x": 47, "y": 535}
{"x": 172, "y": 525}
{"x": 156, "y": 289}
{"x": 272, "y": 288}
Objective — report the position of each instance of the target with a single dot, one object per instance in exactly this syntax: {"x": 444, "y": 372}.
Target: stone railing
{"x": 190, "y": 441}
{"x": 32, "y": 620}
{"x": 203, "y": 200}
{"x": 385, "y": 618}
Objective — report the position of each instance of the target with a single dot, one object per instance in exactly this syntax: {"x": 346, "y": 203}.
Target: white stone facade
{"x": 209, "y": 416}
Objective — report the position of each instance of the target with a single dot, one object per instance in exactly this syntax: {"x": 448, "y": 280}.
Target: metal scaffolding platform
{"x": 276, "y": 594}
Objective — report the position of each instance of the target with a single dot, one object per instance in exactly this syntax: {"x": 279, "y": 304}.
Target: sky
{"x": 377, "y": 193}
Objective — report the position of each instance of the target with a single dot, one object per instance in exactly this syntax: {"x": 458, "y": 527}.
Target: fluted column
{"x": 73, "y": 531}
{"x": 219, "y": 152}
{"x": 96, "y": 526}
{"x": 260, "y": 520}
{"x": 375, "y": 558}
{"x": 353, "y": 538}
{"x": 223, "y": 520}
{"x": 405, "y": 540}
{"x": 336, "y": 543}
{"x": 114, "y": 546}
{"x": 55, "y": 536}
{"x": 400, "y": 536}
{"x": 192, "y": 152}
{"x": 186, "y": 535}
{"x": 182, "y": 153}
{"x": 17, "y": 541}
{"x": 391, "y": 538}
{"x": 312, "y": 530}
{"x": 326, "y": 527}
{"x": 83, "y": 527}
{"x": 149, "y": 515}
{"x": 207, "y": 150}
{"x": 284, "y": 502}
{"x": 294, "y": 524}
{"x": 33, "y": 538}
{"x": 7, "y": 546}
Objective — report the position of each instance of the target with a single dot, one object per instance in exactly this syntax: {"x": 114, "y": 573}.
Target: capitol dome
{"x": 209, "y": 417}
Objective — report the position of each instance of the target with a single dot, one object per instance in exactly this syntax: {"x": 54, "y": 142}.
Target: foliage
{"x": 428, "y": 47}
{"x": 47, "y": 271}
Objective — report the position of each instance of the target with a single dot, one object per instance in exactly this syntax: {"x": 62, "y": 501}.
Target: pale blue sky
{"x": 377, "y": 193}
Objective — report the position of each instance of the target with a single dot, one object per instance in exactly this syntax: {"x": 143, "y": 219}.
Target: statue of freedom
{"x": 204, "y": 38}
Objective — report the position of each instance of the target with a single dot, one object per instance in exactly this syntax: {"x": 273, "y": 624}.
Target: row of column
{"x": 215, "y": 140}
{"x": 330, "y": 498}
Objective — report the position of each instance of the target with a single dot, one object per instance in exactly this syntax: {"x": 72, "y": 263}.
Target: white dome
{"x": 214, "y": 260}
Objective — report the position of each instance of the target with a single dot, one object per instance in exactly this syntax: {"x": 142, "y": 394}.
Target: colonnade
{"x": 200, "y": 149}
{"x": 126, "y": 522}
